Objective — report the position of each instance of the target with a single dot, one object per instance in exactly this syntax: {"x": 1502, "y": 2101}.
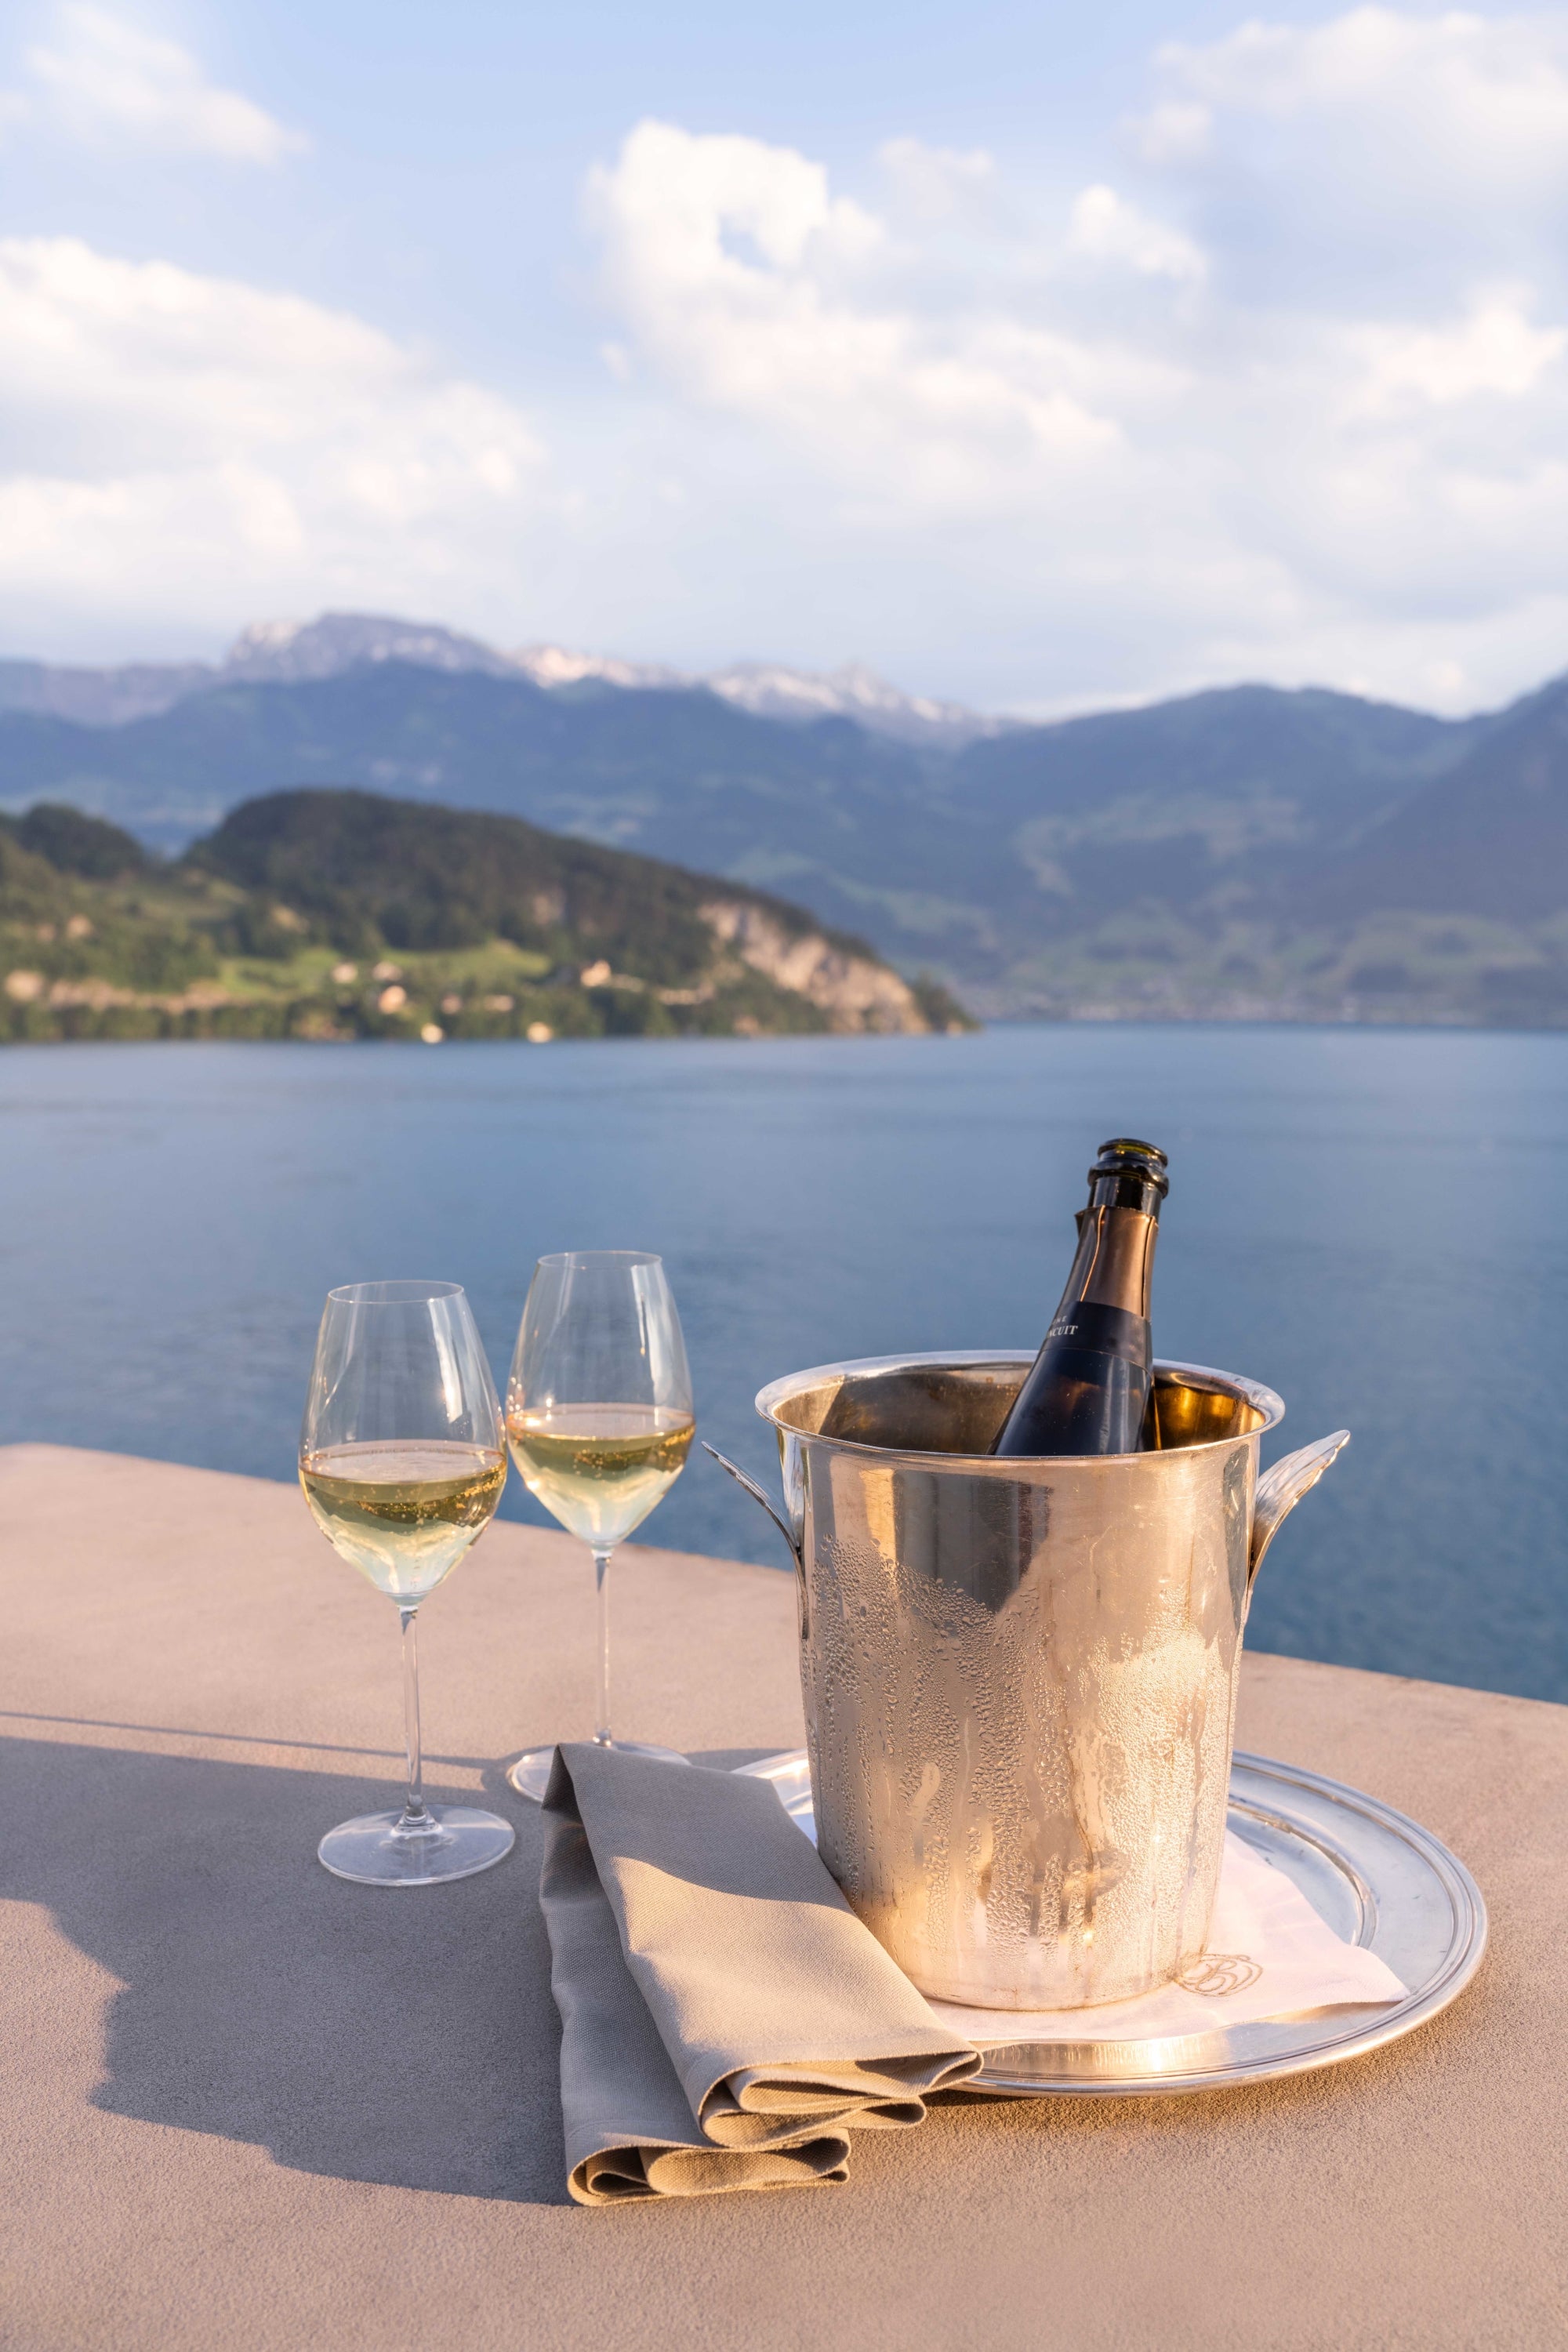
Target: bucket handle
{"x": 758, "y": 1494}
{"x": 1281, "y": 1488}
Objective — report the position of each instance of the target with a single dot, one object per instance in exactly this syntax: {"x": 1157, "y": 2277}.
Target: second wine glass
{"x": 599, "y": 1419}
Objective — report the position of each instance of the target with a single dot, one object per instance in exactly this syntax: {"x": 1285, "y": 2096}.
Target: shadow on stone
{"x": 404, "y": 2036}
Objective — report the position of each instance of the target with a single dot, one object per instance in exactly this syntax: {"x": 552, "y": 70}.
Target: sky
{"x": 1040, "y": 357}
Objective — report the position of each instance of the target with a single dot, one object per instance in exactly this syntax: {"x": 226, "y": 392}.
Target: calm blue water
{"x": 1369, "y": 1221}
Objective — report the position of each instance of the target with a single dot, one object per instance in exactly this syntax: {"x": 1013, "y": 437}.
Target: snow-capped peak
{"x": 770, "y": 690}
{"x": 554, "y": 665}
{"x": 287, "y": 651}
{"x": 855, "y": 692}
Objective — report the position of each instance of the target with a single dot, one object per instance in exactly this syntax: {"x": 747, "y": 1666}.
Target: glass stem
{"x": 415, "y": 1816}
{"x": 601, "y": 1588}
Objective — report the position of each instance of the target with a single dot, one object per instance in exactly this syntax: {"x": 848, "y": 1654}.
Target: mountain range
{"x": 288, "y": 653}
{"x": 1243, "y": 852}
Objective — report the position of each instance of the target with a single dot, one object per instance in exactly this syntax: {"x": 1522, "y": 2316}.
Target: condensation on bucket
{"x": 1020, "y": 1684}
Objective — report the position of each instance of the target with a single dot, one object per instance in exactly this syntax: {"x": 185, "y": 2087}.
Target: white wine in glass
{"x": 600, "y": 1468}
{"x": 402, "y": 1461}
{"x": 403, "y": 1513}
{"x": 599, "y": 1419}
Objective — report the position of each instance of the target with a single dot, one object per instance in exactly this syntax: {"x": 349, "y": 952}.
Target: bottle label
{"x": 1103, "y": 1331}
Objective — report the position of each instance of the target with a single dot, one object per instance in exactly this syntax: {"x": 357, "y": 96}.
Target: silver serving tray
{"x": 1378, "y": 1879}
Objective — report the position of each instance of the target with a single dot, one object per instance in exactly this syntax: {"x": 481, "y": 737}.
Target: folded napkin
{"x": 726, "y": 2019}
{"x": 1270, "y": 1955}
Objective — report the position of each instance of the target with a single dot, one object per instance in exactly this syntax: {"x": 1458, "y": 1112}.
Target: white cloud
{"x": 1492, "y": 349}
{"x": 179, "y": 441}
{"x": 106, "y": 77}
{"x": 936, "y": 183}
{"x": 1385, "y": 109}
{"x": 1294, "y": 402}
{"x": 758, "y": 293}
{"x": 1174, "y": 132}
{"x": 1501, "y": 84}
{"x": 1106, "y": 228}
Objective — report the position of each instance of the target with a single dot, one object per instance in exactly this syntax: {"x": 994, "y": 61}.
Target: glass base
{"x": 530, "y": 1776}
{"x": 373, "y": 1852}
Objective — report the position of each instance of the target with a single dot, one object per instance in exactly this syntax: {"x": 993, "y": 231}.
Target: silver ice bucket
{"x": 1020, "y": 1676}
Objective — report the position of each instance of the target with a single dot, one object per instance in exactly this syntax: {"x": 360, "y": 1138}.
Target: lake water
{"x": 1368, "y": 1220}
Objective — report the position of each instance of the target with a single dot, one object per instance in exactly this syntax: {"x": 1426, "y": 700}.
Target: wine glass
{"x": 402, "y": 1462}
{"x": 599, "y": 1419}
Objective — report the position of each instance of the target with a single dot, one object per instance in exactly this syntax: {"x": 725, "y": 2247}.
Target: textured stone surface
{"x": 245, "y": 2104}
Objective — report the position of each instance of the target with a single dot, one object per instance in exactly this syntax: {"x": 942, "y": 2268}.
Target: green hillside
{"x": 337, "y": 914}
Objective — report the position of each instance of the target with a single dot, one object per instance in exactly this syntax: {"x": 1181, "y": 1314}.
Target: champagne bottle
{"x": 1088, "y": 1389}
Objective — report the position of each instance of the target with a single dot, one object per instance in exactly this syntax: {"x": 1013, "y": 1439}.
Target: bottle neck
{"x": 1115, "y": 1258}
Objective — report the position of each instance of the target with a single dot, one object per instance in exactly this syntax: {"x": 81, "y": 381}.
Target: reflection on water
{"x": 1367, "y": 1220}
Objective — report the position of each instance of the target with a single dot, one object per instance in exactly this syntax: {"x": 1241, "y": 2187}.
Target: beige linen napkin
{"x": 726, "y": 2019}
